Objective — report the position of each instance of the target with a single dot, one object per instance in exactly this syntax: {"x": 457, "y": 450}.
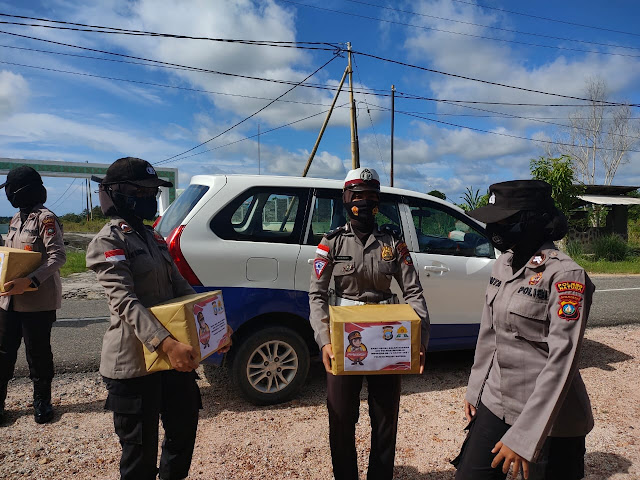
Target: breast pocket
{"x": 388, "y": 267}
{"x": 529, "y": 319}
{"x": 30, "y": 242}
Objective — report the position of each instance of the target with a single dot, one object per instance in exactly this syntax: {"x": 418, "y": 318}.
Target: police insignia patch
{"x": 402, "y": 249}
{"x": 28, "y": 248}
{"x": 408, "y": 260}
{"x": 569, "y": 307}
{"x": 49, "y": 225}
{"x": 538, "y": 259}
{"x": 387, "y": 253}
{"x": 535, "y": 279}
{"x": 319, "y": 265}
{"x": 125, "y": 227}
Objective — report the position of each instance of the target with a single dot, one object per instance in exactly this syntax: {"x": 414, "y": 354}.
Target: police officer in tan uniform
{"x": 30, "y": 314}
{"x": 527, "y": 405}
{"x": 133, "y": 264}
{"x": 363, "y": 260}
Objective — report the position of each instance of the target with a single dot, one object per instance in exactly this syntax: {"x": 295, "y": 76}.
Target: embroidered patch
{"x": 402, "y": 249}
{"x": 319, "y": 265}
{"x": 387, "y": 253}
{"x": 539, "y": 293}
{"x": 408, "y": 260}
{"x": 114, "y": 255}
{"x": 348, "y": 268}
{"x": 538, "y": 259}
{"x": 125, "y": 227}
{"x": 49, "y": 225}
{"x": 535, "y": 279}
{"x": 569, "y": 307}
{"x": 28, "y": 248}
{"x": 322, "y": 250}
{"x": 562, "y": 287}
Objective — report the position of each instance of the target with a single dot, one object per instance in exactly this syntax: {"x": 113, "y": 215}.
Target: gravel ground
{"x": 237, "y": 440}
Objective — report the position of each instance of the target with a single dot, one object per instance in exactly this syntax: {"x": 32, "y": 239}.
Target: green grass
{"x": 75, "y": 264}
{"x": 629, "y": 266}
{"x": 83, "y": 227}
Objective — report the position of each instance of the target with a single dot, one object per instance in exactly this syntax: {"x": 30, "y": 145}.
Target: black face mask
{"x": 141, "y": 207}
{"x": 504, "y": 237}
{"x": 362, "y": 211}
{"x": 26, "y": 196}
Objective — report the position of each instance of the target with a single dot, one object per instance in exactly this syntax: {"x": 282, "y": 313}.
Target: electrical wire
{"x": 492, "y": 26}
{"x": 61, "y": 197}
{"x": 252, "y": 115}
{"x": 471, "y": 35}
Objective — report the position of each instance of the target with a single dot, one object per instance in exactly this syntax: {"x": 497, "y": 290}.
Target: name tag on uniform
{"x": 344, "y": 258}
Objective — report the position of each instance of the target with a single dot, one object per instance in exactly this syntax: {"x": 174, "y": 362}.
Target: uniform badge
{"x": 125, "y": 227}
{"x": 322, "y": 250}
{"x": 319, "y": 265}
{"x": 116, "y": 255}
{"x": 366, "y": 175}
{"x": 402, "y": 249}
{"x": 408, "y": 260}
{"x": 538, "y": 259}
{"x": 387, "y": 253}
{"x": 348, "y": 267}
{"x": 49, "y": 225}
{"x": 569, "y": 307}
{"x": 28, "y": 248}
{"x": 387, "y": 332}
{"x": 535, "y": 280}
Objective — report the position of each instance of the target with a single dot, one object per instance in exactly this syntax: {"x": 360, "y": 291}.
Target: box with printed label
{"x": 16, "y": 263}
{"x": 375, "y": 339}
{"x": 198, "y": 320}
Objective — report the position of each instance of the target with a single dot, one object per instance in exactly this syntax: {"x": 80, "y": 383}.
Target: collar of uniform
{"x": 546, "y": 251}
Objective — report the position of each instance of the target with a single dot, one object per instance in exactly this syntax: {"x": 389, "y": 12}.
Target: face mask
{"x": 362, "y": 210}
{"x": 141, "y": 207}
{"x": 26, "y": 196}
{"x": 504, "y": 237}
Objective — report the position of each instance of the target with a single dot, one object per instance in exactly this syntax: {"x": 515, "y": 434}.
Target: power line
{"x": 548, "y": 18}
{"x": 492, "y": 26}
{"x": 203, "y": 70}
{"x": 253, "y": 114}
{"x": 377, "y": 19}
{"x": 61, "y": 197}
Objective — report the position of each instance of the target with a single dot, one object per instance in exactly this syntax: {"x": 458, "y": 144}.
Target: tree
{"x": 471, "y": 199}
{"x": 438, "y": 194}
{"x": 559, "y": 173}
{"x": 599, "y": 138}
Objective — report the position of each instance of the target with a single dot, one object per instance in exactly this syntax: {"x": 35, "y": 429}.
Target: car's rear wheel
{"x": 270, "y": 365}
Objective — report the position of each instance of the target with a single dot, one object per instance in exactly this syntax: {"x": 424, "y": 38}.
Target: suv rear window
{"x": 179, "y": 209}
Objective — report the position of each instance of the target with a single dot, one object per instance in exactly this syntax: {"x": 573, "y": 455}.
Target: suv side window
{"x": 329, "y": 213}
{"x": 263, "y": 214}
{"x": 445, "y": 232}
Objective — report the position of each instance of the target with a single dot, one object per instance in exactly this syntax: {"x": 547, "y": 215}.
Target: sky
{"x": 59, "y": 102}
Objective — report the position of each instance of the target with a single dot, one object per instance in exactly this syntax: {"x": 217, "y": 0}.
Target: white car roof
{"x": 246, "y": 181}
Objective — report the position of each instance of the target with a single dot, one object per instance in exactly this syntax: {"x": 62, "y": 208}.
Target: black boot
{"x": 3, "y": 397}
{"x": 43, "y": 410}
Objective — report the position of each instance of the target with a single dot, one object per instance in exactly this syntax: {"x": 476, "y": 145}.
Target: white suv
{"x": 254, "y": 237}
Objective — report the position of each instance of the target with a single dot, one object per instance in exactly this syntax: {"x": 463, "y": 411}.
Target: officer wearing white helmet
{"x": 363, "y": 259}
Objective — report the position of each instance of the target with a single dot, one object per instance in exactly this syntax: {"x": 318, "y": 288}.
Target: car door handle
{"x": 437, "y": 268}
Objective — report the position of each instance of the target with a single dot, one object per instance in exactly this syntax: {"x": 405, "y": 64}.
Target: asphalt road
{"x": 77, "y": 335}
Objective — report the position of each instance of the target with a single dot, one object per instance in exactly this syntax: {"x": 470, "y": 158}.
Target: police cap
{"x": 353, "y": 335}
{"x": 509, "y": 198}
{"x": 21, "y": 177}
{"x": 362, "y": 179}
{"x": 132, "y": 170}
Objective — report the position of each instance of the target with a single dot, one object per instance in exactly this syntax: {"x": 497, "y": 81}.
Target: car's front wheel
{"x": 270, "y": 365}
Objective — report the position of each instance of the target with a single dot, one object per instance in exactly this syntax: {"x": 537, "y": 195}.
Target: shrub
{"x": 611, "y": 248}
{"x": 575, "y": 248}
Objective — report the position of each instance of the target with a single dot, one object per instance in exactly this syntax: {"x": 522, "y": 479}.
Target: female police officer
{"x": 30, "y": 314}
{"x": 133, "y": 265}
{"x": 525, "y": 400}
{"x": 363, "y": 260}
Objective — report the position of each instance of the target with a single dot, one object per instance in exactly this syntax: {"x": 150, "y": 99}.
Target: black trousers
{"x": 561, "y": 457}
{"x": 35, "y": 329}
{"x": 137, "y": 405}
{"x": 343, "y": 403}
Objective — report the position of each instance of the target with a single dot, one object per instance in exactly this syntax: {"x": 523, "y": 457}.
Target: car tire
{"x": 270, "y": 365}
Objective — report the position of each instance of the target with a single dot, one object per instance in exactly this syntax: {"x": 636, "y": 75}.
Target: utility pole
{"x": 393, "y": 113}
{"x": 355, "y": 151}
{"x": 258, "y": 149}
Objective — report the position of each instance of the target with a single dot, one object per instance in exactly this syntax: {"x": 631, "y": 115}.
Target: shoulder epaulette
{"x": 392, "y": 230}
{"x": 335, "y": 232}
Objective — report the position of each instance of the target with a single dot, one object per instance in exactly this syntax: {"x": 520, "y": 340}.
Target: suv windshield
{"x": 179, "y": 209}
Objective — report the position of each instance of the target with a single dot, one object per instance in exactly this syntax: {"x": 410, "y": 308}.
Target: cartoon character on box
{"x": 356, "y": 351}
{"x": 204, "y": 332}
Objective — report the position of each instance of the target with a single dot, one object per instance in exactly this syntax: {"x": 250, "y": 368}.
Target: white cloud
{"x": 14, "y": 91}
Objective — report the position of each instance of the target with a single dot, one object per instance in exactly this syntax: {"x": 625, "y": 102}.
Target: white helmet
{"x": 362, "y": 179}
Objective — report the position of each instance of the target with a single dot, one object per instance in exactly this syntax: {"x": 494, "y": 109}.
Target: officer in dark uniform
{"x": 133, "y": 264}
{"x": 526, "y": 402}
{"x": 363, "y": 260}
{"x": 30, "y": 314}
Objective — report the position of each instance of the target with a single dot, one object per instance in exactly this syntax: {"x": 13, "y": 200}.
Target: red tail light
{"x": 173, "y": 241}
{"x": 155, "y": 224}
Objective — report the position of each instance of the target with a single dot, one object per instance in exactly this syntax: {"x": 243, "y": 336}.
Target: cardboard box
{"x": 16, "y": 263}
{"x": 198, "y": 320}
{"x": 375, "y": 339}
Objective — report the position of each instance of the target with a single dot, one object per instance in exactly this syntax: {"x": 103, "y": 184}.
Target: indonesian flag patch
{"x": 322, "y": 250}
{"x": 114, "y": 255}
{"x": 319, "y": 265}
